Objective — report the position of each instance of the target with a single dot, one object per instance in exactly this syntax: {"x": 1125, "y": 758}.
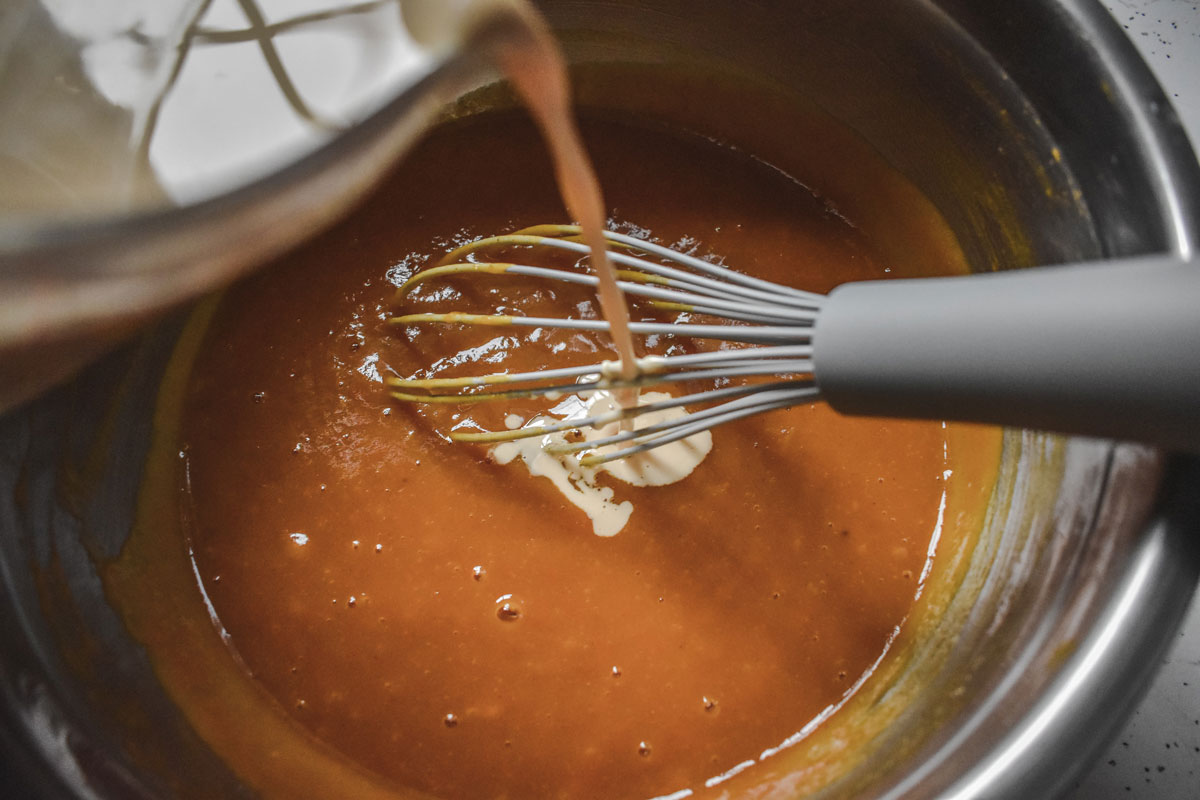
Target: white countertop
{"x": 1157, "y": 755}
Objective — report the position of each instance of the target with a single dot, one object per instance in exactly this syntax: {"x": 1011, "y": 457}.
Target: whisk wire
{"x": 600, "y": 420}
{"x": 648, "y": 365}
{"x": 700, "y": 265}
{"x": 768, "y": 398}
{"x": 761, "y": 335}
{"x": 635, "y": 283}
{"x": 798, "y": 367}
{"x": 718, "y": 280}
{"x": 685, "y": 427}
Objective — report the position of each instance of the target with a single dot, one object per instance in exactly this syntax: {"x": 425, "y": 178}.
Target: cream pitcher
{"x": 152, "y": 151}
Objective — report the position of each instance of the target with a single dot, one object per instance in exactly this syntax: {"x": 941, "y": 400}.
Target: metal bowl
{"x": 1040, "y": 136}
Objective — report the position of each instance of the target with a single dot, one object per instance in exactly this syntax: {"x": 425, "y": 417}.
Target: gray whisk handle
{"x": 1110, "y": 348}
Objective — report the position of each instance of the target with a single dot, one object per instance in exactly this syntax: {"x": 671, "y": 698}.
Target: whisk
{"x": 1107, "y": 348}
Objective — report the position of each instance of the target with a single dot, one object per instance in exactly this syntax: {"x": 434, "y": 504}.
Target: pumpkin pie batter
{"x": 452, "y": 624}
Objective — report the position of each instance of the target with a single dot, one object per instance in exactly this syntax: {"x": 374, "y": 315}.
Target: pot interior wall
{"x": 919, "y": 92}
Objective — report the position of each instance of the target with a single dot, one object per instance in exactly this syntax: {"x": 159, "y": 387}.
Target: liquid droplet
{"x": 508, "y": 611}
{"x": 477, "y": 572}
{"x": 450, "y": 720}
{"x": 643, "y": 749}
{"x": 616, "y": 672}
{"x": 709, "y": 703}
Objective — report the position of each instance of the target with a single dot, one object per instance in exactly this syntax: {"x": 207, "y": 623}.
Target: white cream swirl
{"x": 661, "y": 466}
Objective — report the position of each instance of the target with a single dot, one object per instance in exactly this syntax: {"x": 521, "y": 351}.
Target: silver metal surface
{"x": 1156, "y": 754}
{"x": 1086, "y": 703}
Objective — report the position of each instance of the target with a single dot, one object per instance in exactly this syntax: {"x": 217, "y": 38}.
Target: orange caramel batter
{"x": 452, "y": 625}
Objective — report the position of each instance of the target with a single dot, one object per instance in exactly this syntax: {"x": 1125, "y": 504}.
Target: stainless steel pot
{"x": 1030, "y": 115}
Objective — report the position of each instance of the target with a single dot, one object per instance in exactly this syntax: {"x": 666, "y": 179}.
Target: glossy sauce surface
{"x": 454, "y": 625}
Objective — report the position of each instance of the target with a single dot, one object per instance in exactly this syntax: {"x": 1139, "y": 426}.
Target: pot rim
{"x": 1074, "y": 715}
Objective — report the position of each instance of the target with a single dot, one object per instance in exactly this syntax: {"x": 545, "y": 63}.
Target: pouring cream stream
{"x": 525, "y": 50}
